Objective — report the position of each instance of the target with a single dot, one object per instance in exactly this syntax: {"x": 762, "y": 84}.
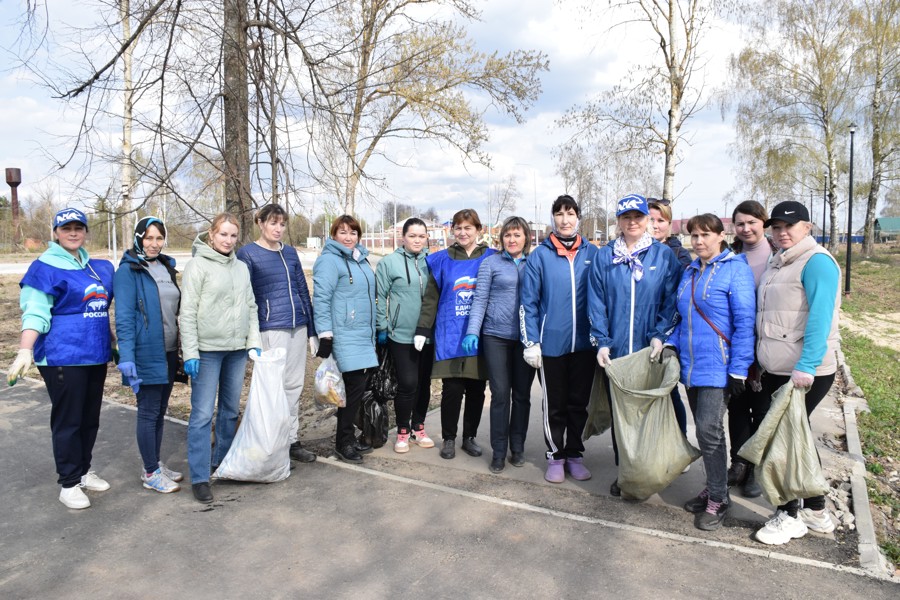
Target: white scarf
{"x": 622, "y": 255}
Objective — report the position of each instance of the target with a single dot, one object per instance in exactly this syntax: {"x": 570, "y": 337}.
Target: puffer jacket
{"x": 139, "y": 320}
{"x": 683, "y": 254}
{"x": 344, "y": 301}
{"x": 554, "y": 299}
{"x": 495, "y": 309}
{"x": 725, "y": 292}
{"x": 279, "y": 285}
{"x": 400, "y": 280}
{"x": 218, "y": 309}
{"x": 626, "y": 314}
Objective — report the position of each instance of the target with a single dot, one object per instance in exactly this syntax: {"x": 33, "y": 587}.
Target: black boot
{"x": 202, "y": 492}
{"x": 751, "y": 488}
{"x": 737, "y": 473}
{"x": 301, "y": 454}
{"x": 471, "y": 447}
{"x": 348, "y": 453}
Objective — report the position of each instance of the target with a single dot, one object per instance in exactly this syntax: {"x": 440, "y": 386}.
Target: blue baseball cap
{"x": 69, "y": 215}
{"x": 632, "y": 202}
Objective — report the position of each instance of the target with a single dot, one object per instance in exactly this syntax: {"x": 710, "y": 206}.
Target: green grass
{"x": 876, "y": 371}
{"x": 874, "y": 282}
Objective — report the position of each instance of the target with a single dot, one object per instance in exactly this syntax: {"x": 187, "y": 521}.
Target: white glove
{"x": 603, "y": 357}
{"x": 656, "y": 347}
{"x": 313, "y": 345}
{"x": 798, "y": 378}
{"x": 23, "y": 361}
{"x": 532, "y": 355}
{"x": 419, "y": 342}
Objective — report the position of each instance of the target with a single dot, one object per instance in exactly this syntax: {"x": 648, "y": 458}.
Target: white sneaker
{"x": 781, "y": 529}
{"x": 74, "y": 497}
{"x": 401, "y": 446}
{"x": 819, "y": 521}
{"x": 157, "y": 481}
{"x": 91, "y": 481}
{"x": 172, "y": 475}
{"x": 687, "y": 468}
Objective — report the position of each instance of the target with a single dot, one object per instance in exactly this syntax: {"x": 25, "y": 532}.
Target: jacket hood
{"x": 549, "y": 244}
{"x": 674, "y": 242}
{"x": 131, "y": 257}
{"x": 402, "y": 250}
{"x": 202, "y": 249}
{"x": 335, "y": 247}
{"x": 724, "y": 256}
{"x": 57, "y": 256}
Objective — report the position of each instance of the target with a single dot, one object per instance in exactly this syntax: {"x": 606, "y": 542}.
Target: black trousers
{"x": 814, "y": 395}
{"x": 566, "y": 381}
{"x": 745, "y": 413}
{"x": 355, "y": 386}
{"x": 413, "y": 382}
{"x": 76, "y": 394}
{"x": 451, "y": 404}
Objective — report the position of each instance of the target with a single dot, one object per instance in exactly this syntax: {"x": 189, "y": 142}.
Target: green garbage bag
{"x": 784, "y": 451}
{"x": 599, "y": 418}
{"x": 652, "y": 449}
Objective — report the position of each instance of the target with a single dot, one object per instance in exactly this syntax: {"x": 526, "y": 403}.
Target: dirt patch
{"x": 883, "y": 329}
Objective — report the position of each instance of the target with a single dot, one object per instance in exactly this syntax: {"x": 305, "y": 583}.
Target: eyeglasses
{"x": 660, "y": 201}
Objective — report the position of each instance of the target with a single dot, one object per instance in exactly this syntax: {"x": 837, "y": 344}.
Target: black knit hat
{"x": 140, "y": 229}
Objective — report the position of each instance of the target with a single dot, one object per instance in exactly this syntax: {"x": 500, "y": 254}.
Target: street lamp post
{"x": 824, "y": 204}
{"x": 849, "y": 215}
{"x": 13, "y": 179}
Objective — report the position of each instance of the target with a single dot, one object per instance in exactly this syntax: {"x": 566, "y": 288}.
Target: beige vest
{"x": 782, "y": 312}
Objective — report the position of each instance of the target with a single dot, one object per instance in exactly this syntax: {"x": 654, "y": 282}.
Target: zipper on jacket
{"x": 690, "y": 323}
{"x": 268, "y": 309}
{"x": 574, "y": 300}
{"x": 287, "y": 272}
{"x": 143, "y": 313}
{"x": 631, "y": 321}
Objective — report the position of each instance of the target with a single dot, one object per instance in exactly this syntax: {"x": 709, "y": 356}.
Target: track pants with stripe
{"x": 566, "y": 381}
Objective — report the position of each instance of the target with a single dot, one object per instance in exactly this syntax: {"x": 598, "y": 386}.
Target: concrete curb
{"x": 870, "y": 557}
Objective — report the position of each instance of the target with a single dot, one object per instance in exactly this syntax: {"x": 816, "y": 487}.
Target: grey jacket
{"x": 495, "y": 307}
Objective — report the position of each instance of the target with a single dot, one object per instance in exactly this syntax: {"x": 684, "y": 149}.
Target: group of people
{"x": 743, "y": 320}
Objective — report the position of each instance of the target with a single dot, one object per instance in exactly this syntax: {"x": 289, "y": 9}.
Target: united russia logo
{"x": 97, "y": 300}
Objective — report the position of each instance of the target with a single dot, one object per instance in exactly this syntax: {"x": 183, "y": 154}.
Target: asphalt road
{"x": 397, "y": 527}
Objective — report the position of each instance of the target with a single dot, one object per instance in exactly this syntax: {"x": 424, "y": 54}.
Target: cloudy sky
{"x": 585, "y": 57}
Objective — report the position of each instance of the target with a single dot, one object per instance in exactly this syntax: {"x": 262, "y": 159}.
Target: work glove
{"x": 192, "y": 367}
{"x": 667, "y": 352}
{"x": 736, "y": 386}
{"x": 533, "y": 357}
{"x": 656, "y": 347}
{"x": 313, "y": 345}
{"x": 603, "y": 357}
{"x": 325, "y": 347}
{"x": 23, "y": 361}
{"x": 801, "y": 379}
{"x": 257, "y": 350}
{"x": 129, "y": 371}
{"x": 419, "y": 342}
{"x": 381, "y": 338}
{"x": 470, "y": 344}
{"x": 115, "y": 352}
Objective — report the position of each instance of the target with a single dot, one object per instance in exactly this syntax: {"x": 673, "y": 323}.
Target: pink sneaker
{"x": 556, "y": 470}
{"x": 421, "y": 438}
{"x": 575, "y": 467}
{"x": 401, "y": 446}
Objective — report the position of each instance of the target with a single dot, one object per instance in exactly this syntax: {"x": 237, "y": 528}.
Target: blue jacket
{"x": 554, "y": 299}
{"x": 626, "y": 314}
{"x": 683, "y": 254}
{"x": 726, "y": 294}
{"x": 139, "y": 321}
{"x": 279, "y": 285}
{"x": 344, "y": 300}
{"x": 495, "y": 309}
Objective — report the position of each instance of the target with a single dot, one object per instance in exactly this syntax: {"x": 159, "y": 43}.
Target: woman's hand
{"x": 24, "y": 359}
{"x": 603, "y": 357}
{"x": 470, "y": 344}
{"x": 533, "y": 356}
{"x": 801, "y": 379}
{"x": 192, "y": 367}
{"x": 325, "y": 347}
{"x": 656, "y": 347}
{"x": 419, "y": 342}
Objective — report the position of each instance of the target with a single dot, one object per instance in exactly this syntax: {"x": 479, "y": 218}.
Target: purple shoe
{"x": 556, "y": 470}
{"x": 576, "y": 468}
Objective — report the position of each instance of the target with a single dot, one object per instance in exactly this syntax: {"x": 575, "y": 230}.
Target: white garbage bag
{"x": 261, "y": 448}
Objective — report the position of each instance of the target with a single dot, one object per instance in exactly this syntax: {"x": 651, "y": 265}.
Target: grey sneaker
{"x": 158, "y": 482}
{"x": 711, "y": 518}
{"x": 172, "y": 475}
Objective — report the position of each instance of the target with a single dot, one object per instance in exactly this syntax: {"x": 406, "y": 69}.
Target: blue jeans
{"x": 510, "y": 378}
{"x": 708, "y": 406}
{"x": 152, "y": 401}
{"x": 222, "y": 372}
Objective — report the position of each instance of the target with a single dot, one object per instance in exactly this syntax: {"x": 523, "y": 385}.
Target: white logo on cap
{"x": 634, "y": 203}
{"x": 68, "y": 216}
{"x": 789, "y": 212}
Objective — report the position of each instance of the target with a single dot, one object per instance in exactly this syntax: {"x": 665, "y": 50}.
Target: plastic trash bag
{"x": 372, "y": 420}
{"x": 384, "y": 381}
{"x": 260, "y": 450}
{"x": 329, "y": 386}
{"x": 652, "y": 449}
{"x": 784, "y": 451}
{"x": 599, "y": 418}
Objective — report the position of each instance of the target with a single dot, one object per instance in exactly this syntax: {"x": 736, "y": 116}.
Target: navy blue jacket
{"x": 627, "y": 314}
{"x": 554, "y": 299}
{"x": 495, "y": 309}
{"x": 279, "y": 285}
{"x": 726, "y": 294}
{"x": 139, "y": 321}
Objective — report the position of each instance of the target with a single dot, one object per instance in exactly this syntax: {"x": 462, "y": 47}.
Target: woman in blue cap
{"x": 65, "y": 302}
{"x": 147, "y": 301}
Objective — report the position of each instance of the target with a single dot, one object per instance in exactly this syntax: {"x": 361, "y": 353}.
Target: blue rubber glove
{"x": 128, "y": 369}
{"x": 257, "y": 350}
{"x": 470, "y": 344}
{"x": 381, "y": 338}
{"x": 192, "y": 367}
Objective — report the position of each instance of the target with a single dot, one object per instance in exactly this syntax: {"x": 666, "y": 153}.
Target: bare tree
{"x": 502, "y": 199}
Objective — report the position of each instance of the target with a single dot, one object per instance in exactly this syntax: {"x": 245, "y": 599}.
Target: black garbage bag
{"x": 383, "y": 382}
{"x": 372, "y": 421}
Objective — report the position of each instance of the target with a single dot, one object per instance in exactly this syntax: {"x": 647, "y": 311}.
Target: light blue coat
{"x": 344, "y": 304}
